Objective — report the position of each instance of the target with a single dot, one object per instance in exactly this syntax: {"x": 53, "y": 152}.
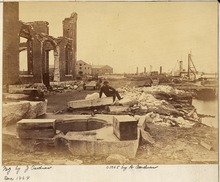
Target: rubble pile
{"x": 164, "y": 105}
{"x": 168, "y": 120}
{"x": 57, "y": 86}
{"x": 63, "y": 86}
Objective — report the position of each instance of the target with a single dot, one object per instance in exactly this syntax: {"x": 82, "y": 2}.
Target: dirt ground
{"x": 173, "y": 145}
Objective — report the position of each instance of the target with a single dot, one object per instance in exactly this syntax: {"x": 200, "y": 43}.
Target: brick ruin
{"x": 37, "y": 43}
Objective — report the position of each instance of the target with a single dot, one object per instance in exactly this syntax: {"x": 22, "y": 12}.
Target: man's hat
{"x": 105, "y": 82}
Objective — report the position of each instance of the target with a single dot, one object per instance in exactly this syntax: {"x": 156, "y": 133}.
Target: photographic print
{"x": 126, "y": 83}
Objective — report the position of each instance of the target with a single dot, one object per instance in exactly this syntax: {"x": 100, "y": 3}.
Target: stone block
{"x": 14, "y": 111}
{"x": 78, "y": 104}
{"x": 118, "y": 109}
{"x": 32, "y": 124}
{"x": 15, "y": 96}
{"x": 26, "y": 91}
{"x": 125, "y": 127}
{"x": 37, "y": 108}
{"x": 128, "y": 102}
{"x": 36, "y": 128}
{"x": 101, "y": 142}
{"x": 36, "y": 134}
{"x": 27, "y": 145}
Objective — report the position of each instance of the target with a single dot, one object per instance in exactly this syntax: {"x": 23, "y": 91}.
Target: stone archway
{"x": 50, "y": 45}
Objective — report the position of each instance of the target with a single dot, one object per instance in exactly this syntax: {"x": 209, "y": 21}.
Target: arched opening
{"x": 25, "y": 56}
{"x": 49, "y": 62}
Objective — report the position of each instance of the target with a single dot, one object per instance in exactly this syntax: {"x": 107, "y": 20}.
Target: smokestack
{"x": 137, "y": 71}
{"x": 160, "y": 69}
{"x": 144, "y": 69}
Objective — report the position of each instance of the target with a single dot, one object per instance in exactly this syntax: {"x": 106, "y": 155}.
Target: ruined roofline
{"x": 29, "y": 24}
{"x": 35, "y": 22}
{"x": 72, "y": 16}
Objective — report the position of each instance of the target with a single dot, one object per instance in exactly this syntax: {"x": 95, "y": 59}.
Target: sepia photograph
{"x": 110, "y": 83}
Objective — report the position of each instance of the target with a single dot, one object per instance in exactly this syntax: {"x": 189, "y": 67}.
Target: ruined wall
{"x": 37, "y": 42}
{"x": 63, "y": 45}
{"x": 10, "y": 43}
{"x": 40, "y": 26}
{"x": 37, "y": 33}
{"x": 70, "y": 31}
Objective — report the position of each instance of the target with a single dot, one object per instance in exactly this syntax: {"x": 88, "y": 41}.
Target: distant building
{"x": 83, "y": 68}
{"x": 101, "y": 69}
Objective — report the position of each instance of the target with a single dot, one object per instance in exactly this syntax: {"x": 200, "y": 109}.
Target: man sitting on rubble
{"x": 109, "y": 91}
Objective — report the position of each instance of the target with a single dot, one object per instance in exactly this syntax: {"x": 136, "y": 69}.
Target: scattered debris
{"x": 205, "y": 145}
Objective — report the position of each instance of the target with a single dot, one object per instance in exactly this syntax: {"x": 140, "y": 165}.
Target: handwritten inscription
{"x": 130, "y": 167}
{"x": 21, "y": 173}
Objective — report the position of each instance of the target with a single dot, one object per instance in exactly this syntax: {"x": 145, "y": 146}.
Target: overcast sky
{"x": 129, "y": 35}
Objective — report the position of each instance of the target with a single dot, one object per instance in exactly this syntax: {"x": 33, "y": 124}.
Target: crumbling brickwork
{"x": 70, "y": 31}
{"x": 38, "y": 43}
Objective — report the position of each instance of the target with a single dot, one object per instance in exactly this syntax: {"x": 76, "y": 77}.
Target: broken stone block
{"x": 116, "y": 159}
{"x": 128, "y": 102}
{"x": 36, "y": 109}
{"x": 146, "y": 137}
{"x": 36, "y": 128}
{"x": 90, "y": 103}
{"x": 206, "y": 145}
{"x": 102, "y": 101}
{"x": 78, "y": 104}
{"x": 118, "y": 109}
{"x": 125, "y": 127}
{"x": 14, "y": 111}
{"x": 32, "y": 124}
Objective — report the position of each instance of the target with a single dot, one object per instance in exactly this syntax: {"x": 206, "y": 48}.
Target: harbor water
{"x": 207, "y": 107}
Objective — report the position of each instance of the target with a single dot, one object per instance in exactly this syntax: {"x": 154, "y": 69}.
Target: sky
{"x": 127, "y": 35}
